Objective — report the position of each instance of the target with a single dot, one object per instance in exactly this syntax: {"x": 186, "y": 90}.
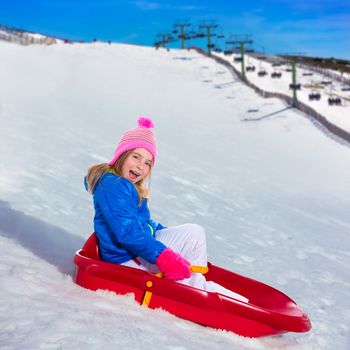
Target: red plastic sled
{"x": 268, "y": 311}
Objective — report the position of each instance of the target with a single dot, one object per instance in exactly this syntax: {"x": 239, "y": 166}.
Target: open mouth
{"x": 134, "y": 174}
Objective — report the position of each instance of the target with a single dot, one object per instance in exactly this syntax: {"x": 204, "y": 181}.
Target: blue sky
{"x": 314, "y": 27}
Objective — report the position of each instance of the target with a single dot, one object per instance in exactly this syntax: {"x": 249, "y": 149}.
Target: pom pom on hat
{"x": 145, "y": 122}
{"x": 140, "y": 137}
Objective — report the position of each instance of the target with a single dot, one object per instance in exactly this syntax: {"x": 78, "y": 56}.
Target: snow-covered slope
{"x": 25, "y": 38}
{"x": 271, "y": 189}
{"x": 310, "y": 81}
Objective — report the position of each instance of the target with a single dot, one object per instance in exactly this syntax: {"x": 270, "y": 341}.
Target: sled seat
{"x": 91, "y": 248}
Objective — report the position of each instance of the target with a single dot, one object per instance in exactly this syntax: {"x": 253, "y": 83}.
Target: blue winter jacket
{"x": 124, "y": 228}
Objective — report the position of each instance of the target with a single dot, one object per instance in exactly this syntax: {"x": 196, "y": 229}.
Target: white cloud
{"x": 150, "y": 6}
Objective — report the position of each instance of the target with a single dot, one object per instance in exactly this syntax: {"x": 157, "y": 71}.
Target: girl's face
{"x": 137, "y": 165}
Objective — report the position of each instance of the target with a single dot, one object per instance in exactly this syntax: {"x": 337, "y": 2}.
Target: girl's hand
{"x": 173, "y": 265}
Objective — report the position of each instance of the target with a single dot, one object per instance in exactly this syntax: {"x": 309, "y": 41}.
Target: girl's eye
{"x": 148, "y": 164}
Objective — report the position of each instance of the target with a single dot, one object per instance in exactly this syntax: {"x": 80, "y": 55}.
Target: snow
{"x": 271, "y": 188}
{"x": 337, "y": 115}
{"x": 26, "y": 38}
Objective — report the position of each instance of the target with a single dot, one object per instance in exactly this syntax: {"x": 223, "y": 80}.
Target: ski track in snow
{"x": 270, "y": 188}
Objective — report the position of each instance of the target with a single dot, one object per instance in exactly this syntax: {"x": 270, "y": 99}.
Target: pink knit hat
{"x": 140, "y": 137}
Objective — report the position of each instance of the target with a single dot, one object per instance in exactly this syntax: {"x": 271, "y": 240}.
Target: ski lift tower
{"x": 293, "y": 57}
{"x": 209, "y": 28}
{"x": 182, "y": 25}
{"x": 241, "y": 40}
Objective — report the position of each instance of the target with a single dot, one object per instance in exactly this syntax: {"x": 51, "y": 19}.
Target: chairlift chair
{"x": 314, "y": 96}
{"x": 276, "y": 74}
{"x": 295, "y": 86}
{"x": 250, "y": 68}
{"x": 334, "y": 101}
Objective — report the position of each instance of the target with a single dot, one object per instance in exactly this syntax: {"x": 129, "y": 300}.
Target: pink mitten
{"x": 173, "y": 265}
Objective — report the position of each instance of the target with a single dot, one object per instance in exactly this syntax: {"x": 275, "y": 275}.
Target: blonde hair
{"x": 95, "y": 173}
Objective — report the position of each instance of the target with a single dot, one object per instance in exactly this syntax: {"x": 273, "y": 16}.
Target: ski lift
{"x": 237, "y": 59}
{"x": 157, "y": 44}
{"x": 314, "y": 96}
{"x": 217, "y": 50}
{"x": 250, "y": 68}
{"x": 276, "y": 75}
{"x": 334, "y": 101}
{"x": 295, "y": 86}
{"x": 262, "y": 72}
{"x": 220, "y": 34}
{"x": 211, "y": 46}
{"x": 228, "y": 52}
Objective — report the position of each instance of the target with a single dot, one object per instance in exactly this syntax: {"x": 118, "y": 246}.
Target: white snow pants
{"x": 188, "y": 240}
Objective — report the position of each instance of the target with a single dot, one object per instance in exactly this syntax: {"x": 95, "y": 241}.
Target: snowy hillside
{"x": 271, "y": 189}
{"x": 25, "y": 38}
{"x": 311, "y": 83}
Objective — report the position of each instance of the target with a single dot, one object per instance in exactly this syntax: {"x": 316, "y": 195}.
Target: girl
{"x": 126, "y": 232}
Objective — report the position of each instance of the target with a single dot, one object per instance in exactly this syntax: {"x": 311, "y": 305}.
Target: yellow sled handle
{"x": 194, "y": 268}
{"x": 199, "y": 269}
{"x": 148, "y": 295}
